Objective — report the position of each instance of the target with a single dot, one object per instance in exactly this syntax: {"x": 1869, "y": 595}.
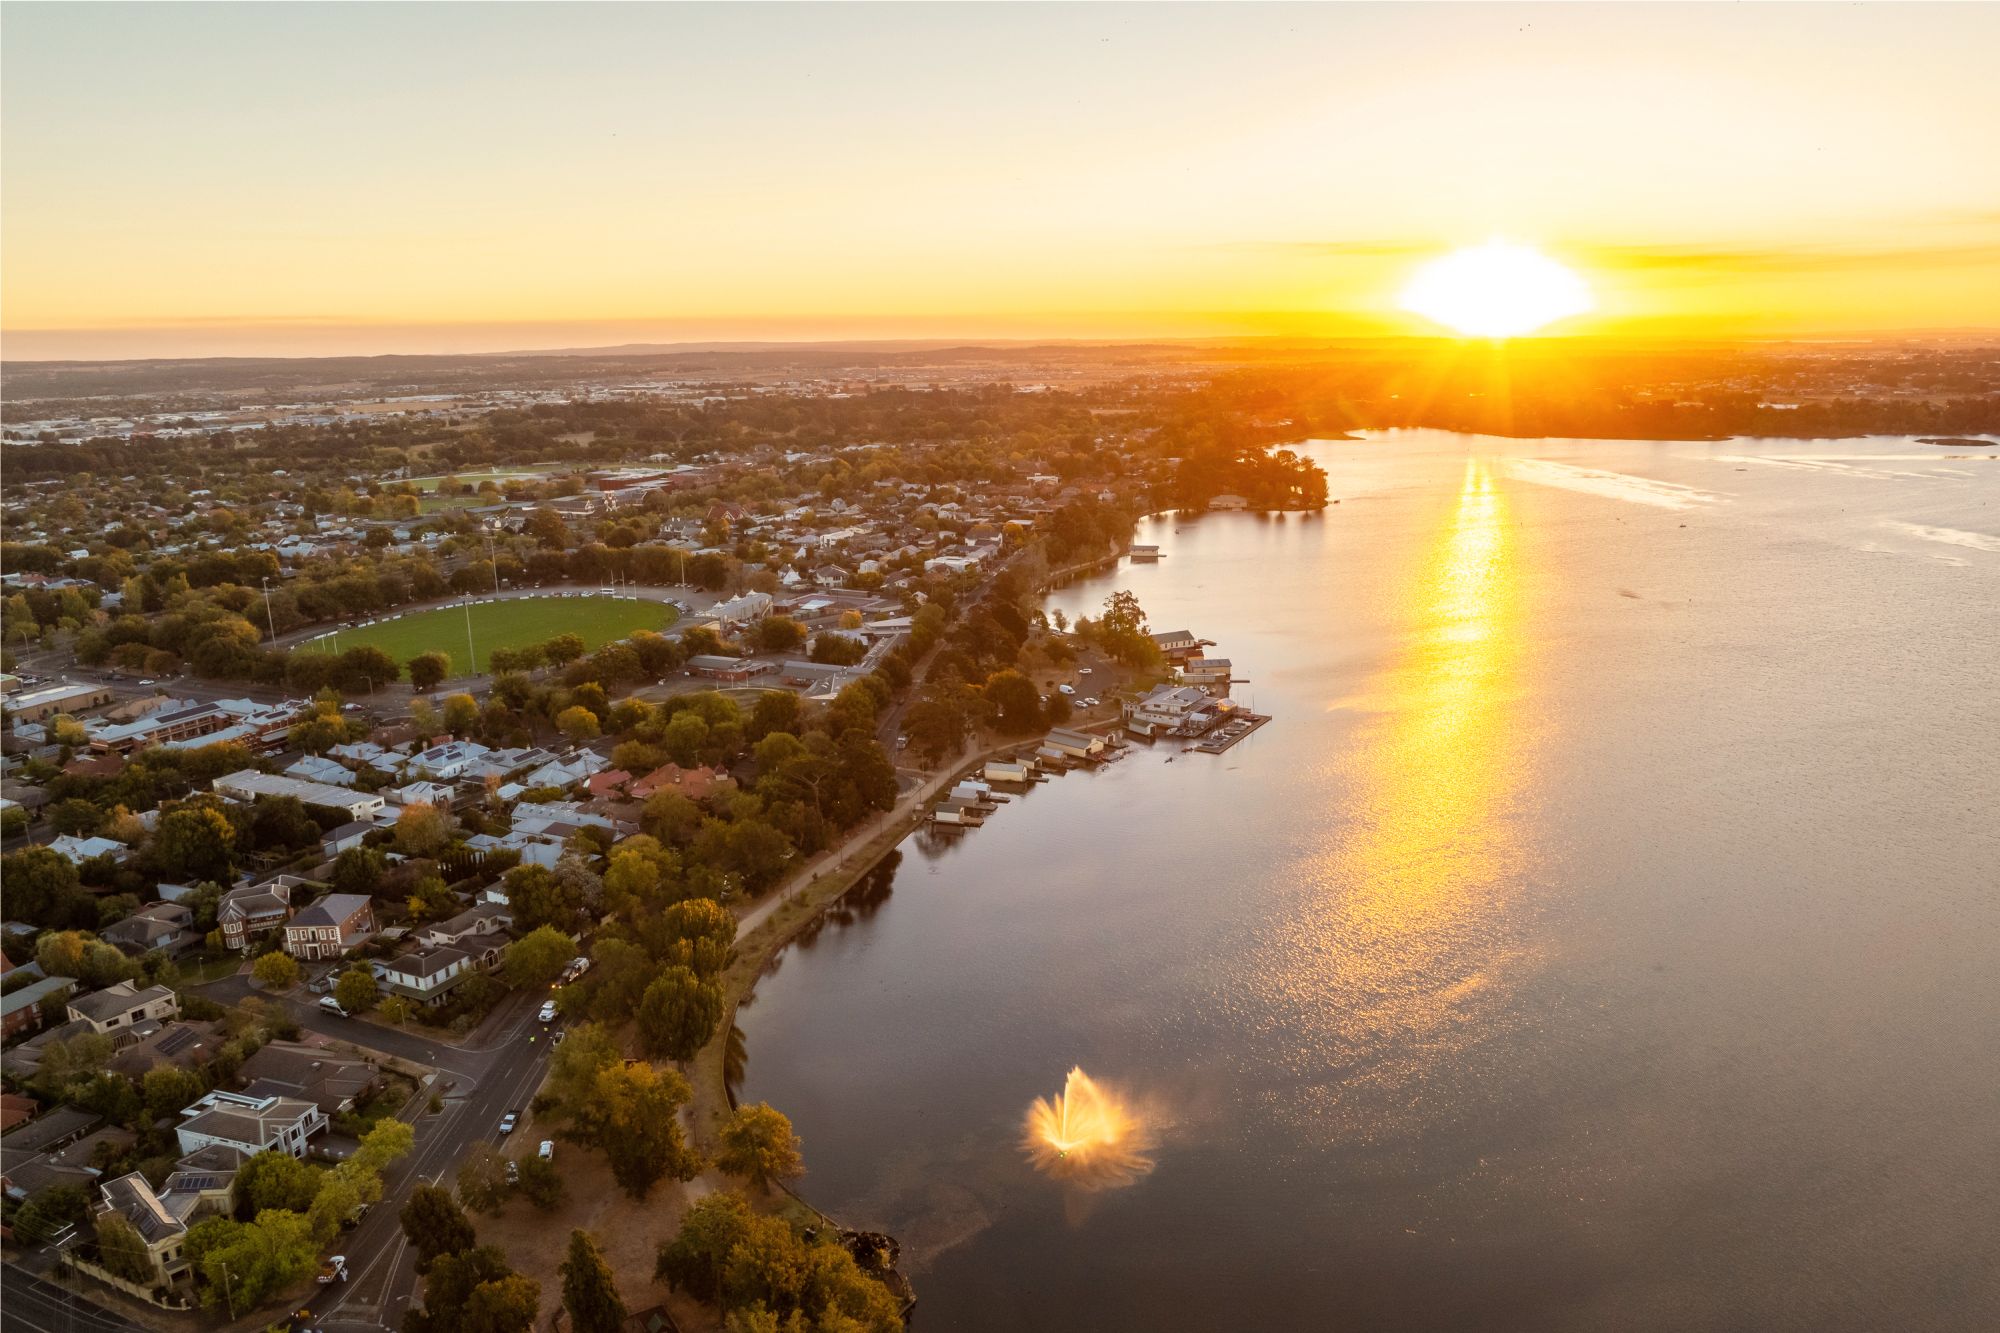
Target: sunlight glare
{"x": 1496, "y": 290}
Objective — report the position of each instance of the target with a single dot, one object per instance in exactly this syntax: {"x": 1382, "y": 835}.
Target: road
{"x": 35, "y": 1303}
{"x": 496, "y": 1072}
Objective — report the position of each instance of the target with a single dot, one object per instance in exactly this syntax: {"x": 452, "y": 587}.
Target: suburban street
{"x": 495, "y": 1072}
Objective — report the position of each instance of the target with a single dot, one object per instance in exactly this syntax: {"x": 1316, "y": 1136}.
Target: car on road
{"x": 507, "y": 1123}
{"x": 333, "y": 1270}
{"x": 547, "y": 1152}
{"x": 331, "y": 1005}
{"x": 149, "y": 682}
{"x": 548, "y": 1014}
{"x": 1083, "y": 671}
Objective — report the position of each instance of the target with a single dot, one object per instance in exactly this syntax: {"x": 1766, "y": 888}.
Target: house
{"x": 345, "y": 838}
{"x": 23, "y": 1007}
{"x": 167, "y": 926}
{"x": 248, "y": 785}
{"x": 743, "y": 609}
{"x": 421, "y": 792}
{"x": 310, "y": 1073}
{"x": 470, "y": 925}
{"x": 1207, "y": 671}
{"x": 697, "y": 784}
{"x": 16, "y": 1110}
{"x": 33, "y": 1157}
{"x": 183, "y": 1045}
{"x": 1227, "y": 501}
{"x": 250, "y": 1124}
{"x": 77, "y": 850}
{"x": 330, "y": 927}
{"x": 124, "y": 1005}
{"x": 446, "y": 761}
{"x": 426, "y": 976}
{"x": 314, "y": 768}
{"x": 726, "y": 668}
{"x": 609, "y": 785}
{"x": 1170, "y": 709}
{"x": 1074, "y": 744}
{"x": 253, "y": 910}
{"x": 1177, "y": 643}
{"x": 165, "y": 1235}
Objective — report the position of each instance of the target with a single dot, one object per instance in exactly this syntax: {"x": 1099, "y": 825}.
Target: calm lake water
{"x": 1604, "y": 935}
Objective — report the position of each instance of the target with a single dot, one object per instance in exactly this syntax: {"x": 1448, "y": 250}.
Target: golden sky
{"x": 294, "y": 179}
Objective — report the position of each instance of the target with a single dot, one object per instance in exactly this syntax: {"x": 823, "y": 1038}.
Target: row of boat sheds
{"x": 986, "y": 788}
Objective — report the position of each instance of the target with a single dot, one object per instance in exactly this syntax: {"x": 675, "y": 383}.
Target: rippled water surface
{"x": 1605, "y": 934}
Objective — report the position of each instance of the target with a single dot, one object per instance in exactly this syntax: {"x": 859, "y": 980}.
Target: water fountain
{"x": 1088, "y": 1135}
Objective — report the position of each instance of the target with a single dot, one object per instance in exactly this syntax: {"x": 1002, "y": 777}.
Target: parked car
{"x": 1083, "y": 671}
{"x": 507, "y": 1123}
{"x": 513, "y": 1172}
{"x": 333, "y": 1270}
{"x": 331, "y": 1005}
{"x": 1067, "y": 689}
{"x": 547, "y": 1152}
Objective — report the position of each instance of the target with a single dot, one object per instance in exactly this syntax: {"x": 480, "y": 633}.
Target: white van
{"x": 331, "y": 1005}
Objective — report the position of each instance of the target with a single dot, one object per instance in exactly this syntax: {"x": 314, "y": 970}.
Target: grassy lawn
{"x": 508, "y": 624}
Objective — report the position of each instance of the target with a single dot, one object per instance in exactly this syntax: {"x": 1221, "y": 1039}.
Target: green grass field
{"x": 509, "y": 624}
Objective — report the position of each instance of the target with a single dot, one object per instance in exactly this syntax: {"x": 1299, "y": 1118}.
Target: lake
{"x": 1604, "y": 934}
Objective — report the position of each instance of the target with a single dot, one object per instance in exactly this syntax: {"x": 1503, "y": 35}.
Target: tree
{"x": 632, "y": 1115}
{"x": 73, "y": 953}
{"x": 434, "y": 1225}
{"x": 274, "y": 1179}
{"x": 167, "y": 1089}
{"x": 422, "y": 829}
{"x": 275, "y": 971}
{"x": 589, "y": 1293}
{"x": 472, "y": 1290}
{"x": 563, "y": 649}
{"x": 281, "y": 822}
{"x": 538, "y": 897}
{"x": 758, "y": 1144}
{"x": 356, "y": 989}
{"x": 779, "y": 634}
{"x": 678, "y": 1013}
{"x": 541, "y": 1184}
{"x": 461, "y": 713}
{"x": 43, "y": 888}
{"x": 1016, "y": 704}
{"x": 197, "y": 841}
{"x": 482, "y": 1179}
{"x": 389, "y": 1141}
{"x": 358, "y": 870}
{"x": 75, "y": 816}
{"x": 534, "y": 961}
{"x": 578, "y": 723}
{"x": 48, "y": 1211}
{"x": 122, "y": 1249}
{"x": 429, "y": 669}
{"x": 245, "y": 1264}
{"x": 693, "y": 1261}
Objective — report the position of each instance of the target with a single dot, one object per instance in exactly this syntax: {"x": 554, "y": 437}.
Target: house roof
{"x": 332, "y": 910}
{"x": 112, "y": 1001}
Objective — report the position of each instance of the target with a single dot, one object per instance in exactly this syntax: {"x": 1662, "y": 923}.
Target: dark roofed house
{"x": 124, "y": 1005}
{"x": 185, "y": 1045}
{"x": 330, "y": 927}
{"x": 332, "y": 1083}
{"x": 164, "y": 925}
{"x": 253, "y": 910}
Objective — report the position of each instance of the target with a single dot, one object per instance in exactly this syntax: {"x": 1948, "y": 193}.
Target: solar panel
{"x": 175, "y": 1040}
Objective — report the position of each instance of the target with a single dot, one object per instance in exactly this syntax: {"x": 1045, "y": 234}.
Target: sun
{"x": 1495, "y": 290}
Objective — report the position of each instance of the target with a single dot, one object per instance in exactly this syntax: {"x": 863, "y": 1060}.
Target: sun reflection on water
{"x": 1394, "y": 961}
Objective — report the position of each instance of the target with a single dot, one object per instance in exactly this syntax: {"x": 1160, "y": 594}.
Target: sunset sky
{"x": 302, "y": 179}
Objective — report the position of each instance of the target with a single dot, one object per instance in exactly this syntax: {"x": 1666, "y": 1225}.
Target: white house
{"x": 250, "y": 1124}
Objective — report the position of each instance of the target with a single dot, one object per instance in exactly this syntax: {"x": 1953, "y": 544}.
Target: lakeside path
{"x": 772, "y": 923}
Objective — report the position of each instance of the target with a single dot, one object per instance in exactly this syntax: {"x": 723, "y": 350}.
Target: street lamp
{"x": 268, "y": 618}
